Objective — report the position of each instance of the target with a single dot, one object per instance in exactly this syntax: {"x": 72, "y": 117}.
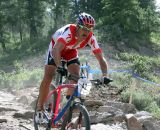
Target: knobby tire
{"x": 46, "y": 126}
{"x": 82, "y": 118}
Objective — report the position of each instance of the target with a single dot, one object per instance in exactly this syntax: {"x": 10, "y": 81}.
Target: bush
{"x": 157, "y": 99}
{"x": 21, "y": 79}
{"x": 143, "y": 65}
{"x": 140, "y": 99}
{"x": 154, "y": 109}
{"x": 121, "y": 79}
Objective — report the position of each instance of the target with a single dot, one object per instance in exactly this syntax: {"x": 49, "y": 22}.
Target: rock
{"x": 33, "y": 104}
{"x": 23, "y": 99}
{"x": 142, "y": 113}
{"x": 148, "y": 125}
{"x": 24, "y": 115}
{"x": 109, "y": 109}
{"x": 128, "y": 108}
{"x": 3, "y": 120}
{"x": 101, "y": 118}
{"x": 115, "y": 126}
{"x": 132, "y": 122}
{"x": 143, "y": 118}
{"x": 93, "y": 104}
{"x": 34, "y": 94}
{"x": 6, "y": 109}
{"x": 125, "y": 107}
{"x": 119, "y": 118}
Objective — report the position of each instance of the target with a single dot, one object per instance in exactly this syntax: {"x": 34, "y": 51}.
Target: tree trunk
{"x": 20, "y": 21}
{"x": 20, "y": 31}
{"x": 76, "y": 7}
{"x": 3, "y": 43}
{"x": 4, "y": 47}
{"x": 33, "y": 29}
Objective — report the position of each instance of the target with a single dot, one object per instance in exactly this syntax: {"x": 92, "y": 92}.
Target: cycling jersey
{"x": 66, "y": 36}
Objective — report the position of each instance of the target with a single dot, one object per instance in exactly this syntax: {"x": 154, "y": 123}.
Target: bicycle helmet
{"x": 85, "y": 19}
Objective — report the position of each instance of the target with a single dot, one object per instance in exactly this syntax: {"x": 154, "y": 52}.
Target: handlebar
{"x": 63, "y": 72}
{"x": 101, "y": 82}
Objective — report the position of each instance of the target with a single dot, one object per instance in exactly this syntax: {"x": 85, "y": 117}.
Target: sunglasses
{"x": 86, "y": 28}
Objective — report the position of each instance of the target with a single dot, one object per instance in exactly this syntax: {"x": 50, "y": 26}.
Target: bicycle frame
{"x": 58, "y": 115}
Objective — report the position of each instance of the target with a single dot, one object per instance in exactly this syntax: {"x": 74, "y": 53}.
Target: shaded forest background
{"x": 27, "y": 24}
{"x": 26, "y": 27}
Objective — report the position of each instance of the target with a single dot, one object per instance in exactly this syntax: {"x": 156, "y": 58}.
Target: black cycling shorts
{"x": 50, "y": 61}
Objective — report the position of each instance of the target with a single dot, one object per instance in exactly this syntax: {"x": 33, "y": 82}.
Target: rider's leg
{"x": 44, "y": 87}
{"x": 73, "y": 69}
{"x": 73, "y": 65}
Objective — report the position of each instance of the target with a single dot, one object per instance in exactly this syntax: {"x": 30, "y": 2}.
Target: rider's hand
{"x": 62, "y": 71}
{"x": 106, "y": 80}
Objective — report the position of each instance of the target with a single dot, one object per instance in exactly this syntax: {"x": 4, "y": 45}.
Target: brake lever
{"x": 98, "y": 82}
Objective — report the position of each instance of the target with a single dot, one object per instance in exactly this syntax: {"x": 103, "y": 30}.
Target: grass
{"x": 145, "y": 66}
{"x": 20, "y": 79}
{"x": 155, "y": 38}
{"x": 144, "y": 97}
{"x": 17, "y": 51}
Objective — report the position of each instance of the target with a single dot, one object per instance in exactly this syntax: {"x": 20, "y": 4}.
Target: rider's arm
{"x": 102, "y": 63}
{"x": 99, "y": 55}
{"x": 56, "y": 52}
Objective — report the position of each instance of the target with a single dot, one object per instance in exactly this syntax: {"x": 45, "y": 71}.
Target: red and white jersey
{"x": 66, "y": 36}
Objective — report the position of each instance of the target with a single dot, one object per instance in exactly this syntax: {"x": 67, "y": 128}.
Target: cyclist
{"x": 64, "y": 45}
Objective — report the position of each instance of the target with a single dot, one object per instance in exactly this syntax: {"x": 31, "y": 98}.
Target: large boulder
{"x": 132, "y": 122}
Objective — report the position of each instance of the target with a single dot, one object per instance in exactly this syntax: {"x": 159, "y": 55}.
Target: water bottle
{"x": 84, "y": 87}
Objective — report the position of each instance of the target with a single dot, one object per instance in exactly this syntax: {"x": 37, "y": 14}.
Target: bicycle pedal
{"x": 57, "y": 125}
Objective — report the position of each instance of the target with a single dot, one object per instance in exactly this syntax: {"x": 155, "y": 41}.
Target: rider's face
{"x": 83, "y": 32}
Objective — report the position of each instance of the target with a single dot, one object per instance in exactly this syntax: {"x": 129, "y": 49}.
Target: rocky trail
{"x": 16, "y": 113}
{"x": 106, "y": 111}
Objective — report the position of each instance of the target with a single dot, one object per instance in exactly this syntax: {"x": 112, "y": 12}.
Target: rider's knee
{"x": 74, "y": 77}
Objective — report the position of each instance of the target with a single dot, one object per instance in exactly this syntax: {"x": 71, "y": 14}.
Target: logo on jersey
{"x": 68, "y": 39}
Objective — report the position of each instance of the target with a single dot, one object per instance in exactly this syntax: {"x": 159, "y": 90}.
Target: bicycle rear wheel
{"x": 49, "y": 107}
{"x": 77, "y": 118}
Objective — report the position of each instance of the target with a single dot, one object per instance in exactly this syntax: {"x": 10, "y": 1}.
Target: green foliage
{"x": 121, "y": 79}
{"x": 143, "y": 65}
{"x": 129, "y": 19}
{"x": 157, "y": 99}
{"x": 121, "y": 16}
{"x": 116, "y": 20}
{"x": 154, "y": 109}
{"x": 144, "y": 98}
{"x": 20, "y": 79}
{"x": 140, "y": 99}
{"x": 155, "y": 38}
{"x": 17, "y": 51}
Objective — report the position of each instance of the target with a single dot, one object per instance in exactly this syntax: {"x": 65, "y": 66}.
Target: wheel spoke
{"x": 76, "y": 119}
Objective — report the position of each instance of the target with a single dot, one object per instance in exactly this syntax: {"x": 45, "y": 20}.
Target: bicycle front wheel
{"x": 46, "y": 124}
{"x": 49, "y": 108}
{"x": 77, "y": 118}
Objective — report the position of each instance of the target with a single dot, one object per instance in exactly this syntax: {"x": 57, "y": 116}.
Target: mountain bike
{"x": 73, "y": 115}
